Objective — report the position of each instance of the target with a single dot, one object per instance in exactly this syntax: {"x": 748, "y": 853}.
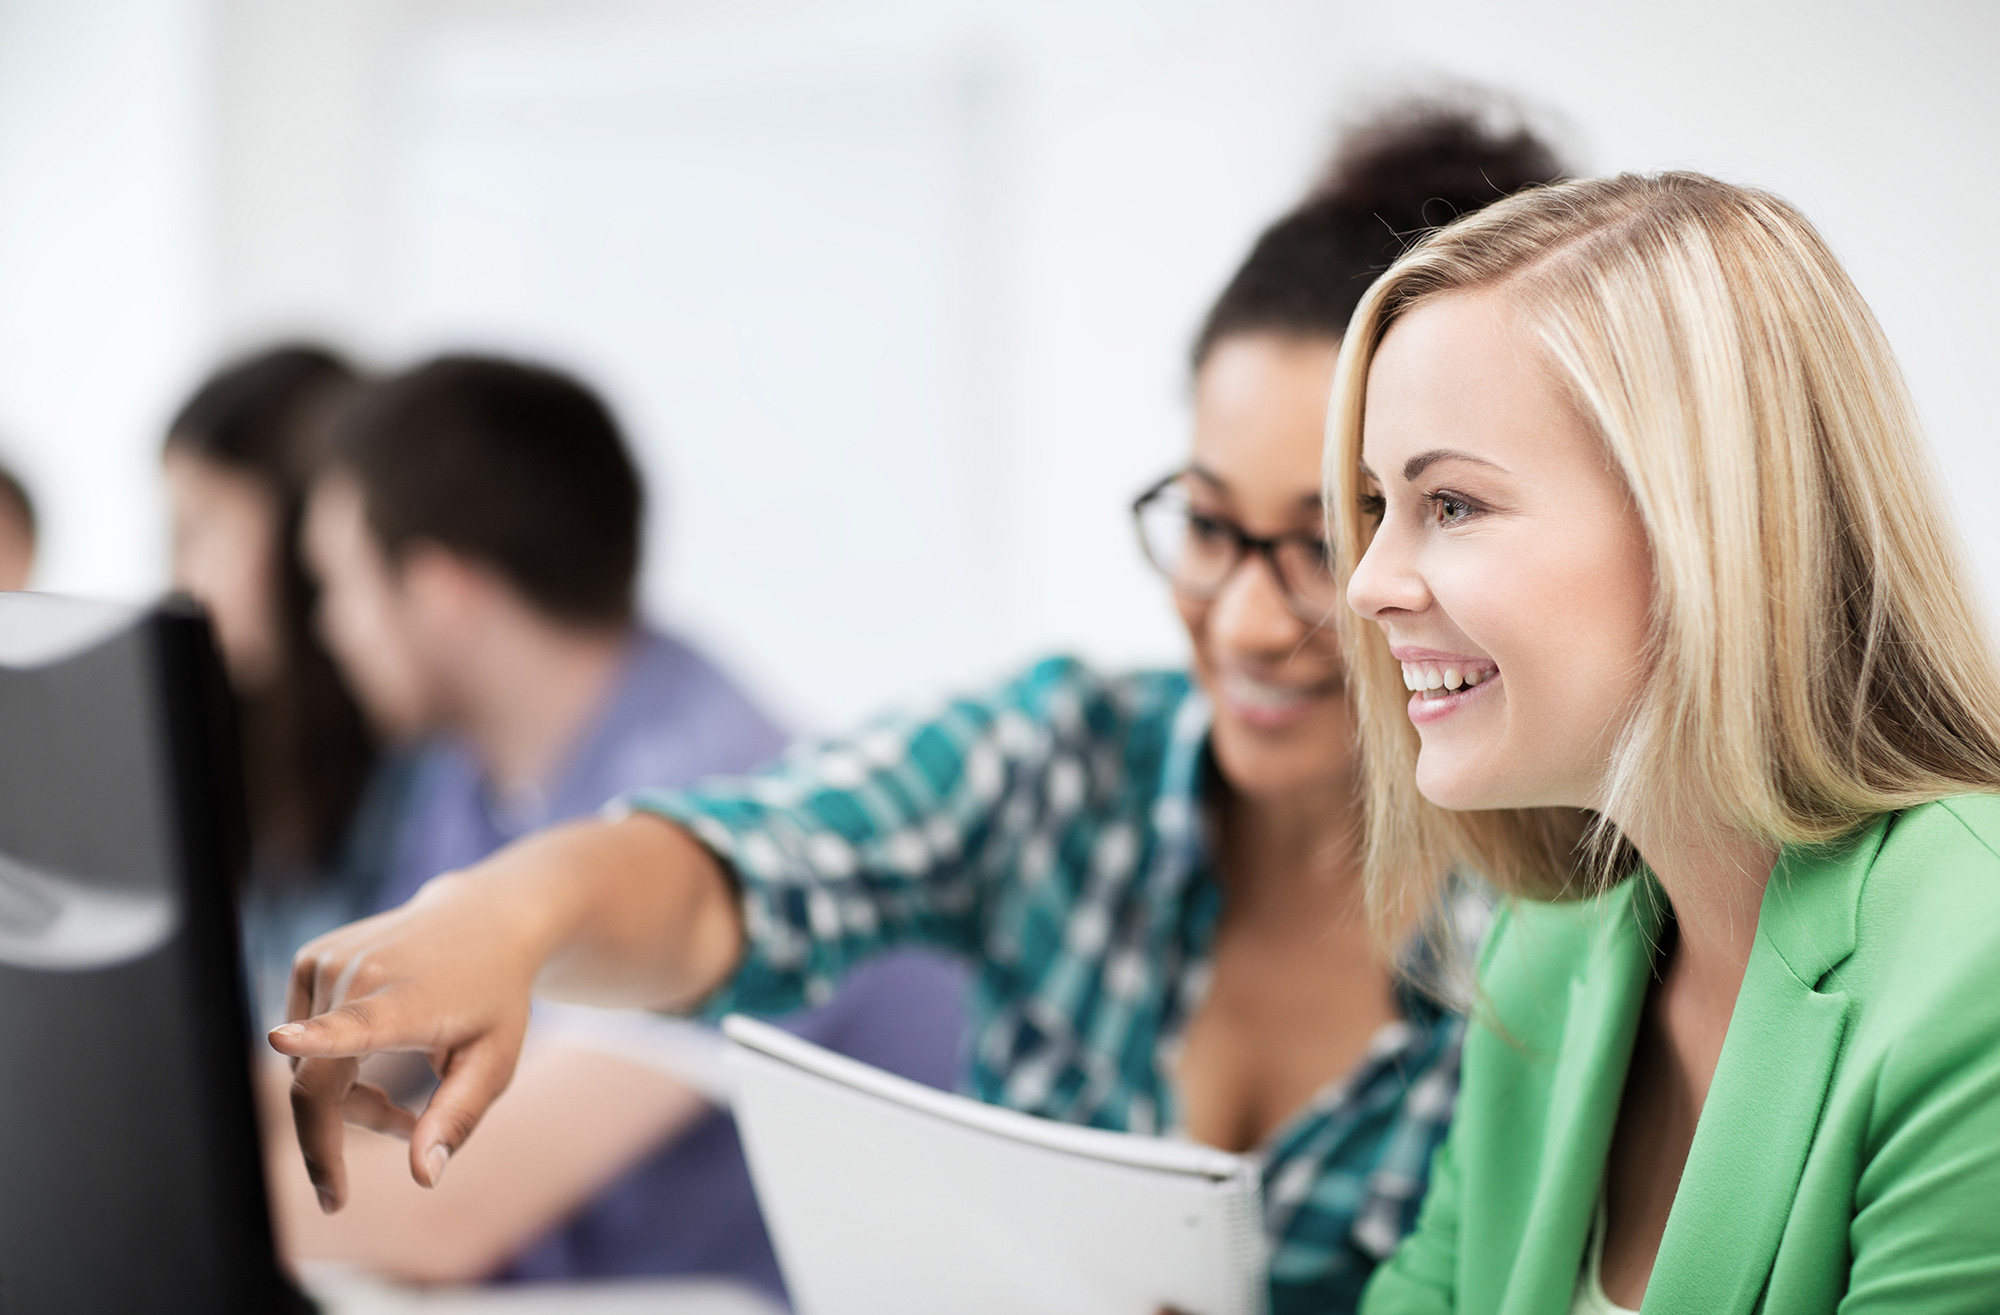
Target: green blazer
{"x": 1848, "y": 1156}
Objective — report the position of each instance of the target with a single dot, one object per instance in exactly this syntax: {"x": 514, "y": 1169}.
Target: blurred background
{"x": 892, "y": 297}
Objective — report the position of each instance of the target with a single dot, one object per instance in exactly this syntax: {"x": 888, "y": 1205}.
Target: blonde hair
{"x": 1816, "y": 655}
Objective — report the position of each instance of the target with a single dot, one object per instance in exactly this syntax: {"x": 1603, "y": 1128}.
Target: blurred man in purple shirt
{"x": 476, "y": 533}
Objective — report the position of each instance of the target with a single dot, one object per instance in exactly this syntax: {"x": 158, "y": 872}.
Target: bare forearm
{"x": 634, "y": 912}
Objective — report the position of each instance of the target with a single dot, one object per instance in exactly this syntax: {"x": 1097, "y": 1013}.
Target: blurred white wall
{"x": 105, "y": 278}
{"x": 893, "y": 296}
{"x": 769, "y": 255}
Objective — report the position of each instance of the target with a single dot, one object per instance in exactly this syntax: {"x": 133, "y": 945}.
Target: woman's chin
{"x": 1263, "y": 762}
{"x": 1451, "y": 786}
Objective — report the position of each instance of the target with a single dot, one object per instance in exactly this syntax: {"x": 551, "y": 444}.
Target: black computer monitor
{"x": 130, "y": 1178}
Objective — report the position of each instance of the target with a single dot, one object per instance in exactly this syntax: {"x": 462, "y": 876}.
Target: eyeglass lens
{"x": 1199, "y": 553}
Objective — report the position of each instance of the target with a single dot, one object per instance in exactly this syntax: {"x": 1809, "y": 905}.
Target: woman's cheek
{"x": 1194, "y": 619}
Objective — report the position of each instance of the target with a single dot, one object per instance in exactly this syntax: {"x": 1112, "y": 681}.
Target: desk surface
{"x": 346, "y": 1293}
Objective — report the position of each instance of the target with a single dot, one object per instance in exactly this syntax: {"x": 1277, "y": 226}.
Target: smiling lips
{"x": 1262, "y": 703}
{"x": 1441, "y": 684}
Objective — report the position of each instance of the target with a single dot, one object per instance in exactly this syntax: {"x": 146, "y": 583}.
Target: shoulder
{"x": 1924, "y": 1026}
{"x": 663, "y": 663}
{"x": 673, "y": 718}
{"x": 669, "y": 679}
{"x": 1927, "y": 919}
{"x": 1066, "y": 686}
{"x": 1935, "y": 880}
{"x": 1963, "y": 832}
{"x": 1059, "y": 721}
{"x": 1062, "y": 700}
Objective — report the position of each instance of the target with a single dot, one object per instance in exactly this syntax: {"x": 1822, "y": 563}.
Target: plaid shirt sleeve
{"x": 899, "y": 834}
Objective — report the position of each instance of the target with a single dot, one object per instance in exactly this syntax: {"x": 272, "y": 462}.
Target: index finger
{"x": 357, "y": 1028}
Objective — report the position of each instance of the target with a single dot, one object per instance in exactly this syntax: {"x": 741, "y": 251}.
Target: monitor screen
{"x": 130, "y": 1177}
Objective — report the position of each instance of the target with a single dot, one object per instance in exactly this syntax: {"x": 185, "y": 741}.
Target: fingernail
{"x": 435, "y": 1161}
{"x": 327, "y": 1204}
{"x": 288, "y": 1030}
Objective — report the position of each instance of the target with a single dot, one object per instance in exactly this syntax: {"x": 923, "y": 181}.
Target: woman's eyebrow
{"x": 1207, "y": 476}
{"x": 1421, "y": 462}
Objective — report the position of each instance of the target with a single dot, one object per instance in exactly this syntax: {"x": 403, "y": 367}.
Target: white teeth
{"x": 1256, "y": 694}
{"x": 1419, "y": 679}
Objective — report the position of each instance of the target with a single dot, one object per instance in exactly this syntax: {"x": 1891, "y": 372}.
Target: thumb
{"x": 473, "y": 1079}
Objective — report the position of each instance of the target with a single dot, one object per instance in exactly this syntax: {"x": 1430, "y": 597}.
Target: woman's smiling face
{"x": 1509, "y": 569}
{"x": 1282, "y": 724}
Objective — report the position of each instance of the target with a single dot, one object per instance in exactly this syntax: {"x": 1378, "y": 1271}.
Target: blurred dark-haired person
{"x": 477, "y": 532}
{"x": 1157, "y": 873}
{"x": 322, "y": 810}
{"x": 17, "y": 533}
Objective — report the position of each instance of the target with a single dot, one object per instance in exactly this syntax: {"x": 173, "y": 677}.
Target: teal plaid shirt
{"x": 1052, "y": 833}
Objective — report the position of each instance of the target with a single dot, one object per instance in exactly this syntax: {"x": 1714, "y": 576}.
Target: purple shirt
{"x": 671, "y": 719}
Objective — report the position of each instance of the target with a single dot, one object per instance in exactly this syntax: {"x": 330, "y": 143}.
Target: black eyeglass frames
{"x": 1198, "y": 552}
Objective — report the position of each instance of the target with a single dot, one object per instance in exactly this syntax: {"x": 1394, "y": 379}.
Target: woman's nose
{"x": 1251, "y": 615}
{"x": 1385, "y": 582}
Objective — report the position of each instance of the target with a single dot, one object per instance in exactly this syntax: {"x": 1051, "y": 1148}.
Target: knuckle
{"x": 457, "y": 1125}
{"x": 325, "y": 970}
{"x": 367, "y": 979}
{"x": 316, "y": 1080}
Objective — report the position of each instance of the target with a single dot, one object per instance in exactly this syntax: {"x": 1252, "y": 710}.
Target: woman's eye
{"x": 1207, "y": 527}
{"x": 1373, "y": 506}
{"x": 1448, "y": 508}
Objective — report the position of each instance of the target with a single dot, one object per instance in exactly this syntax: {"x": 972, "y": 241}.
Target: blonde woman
{"x": 1666, "y": 616}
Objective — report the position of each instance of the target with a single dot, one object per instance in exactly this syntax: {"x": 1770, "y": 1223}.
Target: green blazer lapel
{"x": 1602, "y": 1019}
{"x": 1763, "y": 1108}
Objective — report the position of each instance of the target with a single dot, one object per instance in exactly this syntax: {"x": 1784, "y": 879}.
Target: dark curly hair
{"x": 1411, "y": 167}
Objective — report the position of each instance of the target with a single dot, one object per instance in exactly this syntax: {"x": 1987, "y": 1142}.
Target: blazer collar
{"x": 1606, "y": 996}
{"x": 1763, "y": 1108}
{"x": 1813, "y": 902}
